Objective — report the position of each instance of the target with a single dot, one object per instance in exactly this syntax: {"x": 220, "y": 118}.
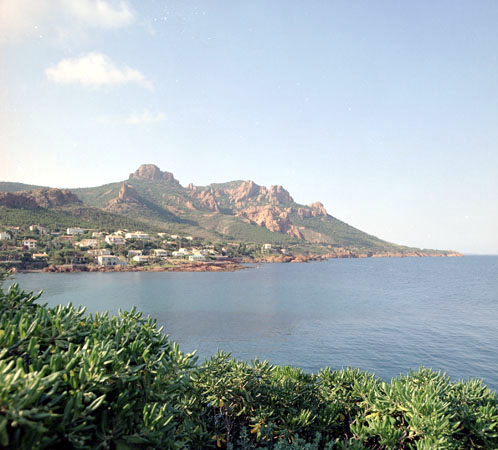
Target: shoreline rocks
{"x": 345, "y": 254}
{"x": 228, "y": 266}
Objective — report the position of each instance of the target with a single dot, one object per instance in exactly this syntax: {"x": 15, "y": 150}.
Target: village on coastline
{"x": 38, "y": 248}
{"x": 75, "y": 249}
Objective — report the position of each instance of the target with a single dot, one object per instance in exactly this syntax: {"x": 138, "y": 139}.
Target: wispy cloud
{"x": 95, "y": 70}
{"x": 145, "y": 117}
{"x": 21, "y": 18}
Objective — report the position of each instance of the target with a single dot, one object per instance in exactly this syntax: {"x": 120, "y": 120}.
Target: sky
{"x": 386, "y": 111}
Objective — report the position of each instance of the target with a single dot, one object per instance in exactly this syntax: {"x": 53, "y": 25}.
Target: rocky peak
{"x": 246, "y": 190}
{"x": 318, "y": 209}
{"x": 127, "y": 193}
{"x": 272, "y": 218}
{"x": 126, "y": 200}
{"x": 207, "y": 199}
{"x": 279, "y": 195}
{"x": 153, "y": 173}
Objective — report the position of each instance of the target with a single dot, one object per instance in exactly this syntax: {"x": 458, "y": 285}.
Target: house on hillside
{"x": 182, "y": 253}
{"x": 99, "y": 252}
{"x": 137, "y": 235}
{"x": 30, "y": 243}
{"x": 108, "y": 260}
{"x": 74, "y": 230}
{"x": 132, "y": 253}
{"x": 66, "y": 238}
{"x": 4, "y": 236}
{"x": 39, "y": 228}
{"x": 160, "y": 253}
{"x": 112, "y": 239}
{"x": 141, "y": 259}
{"x": 92, "y": 243}
{"x": 40, "y": 256}
{"x": 197, "y": 257}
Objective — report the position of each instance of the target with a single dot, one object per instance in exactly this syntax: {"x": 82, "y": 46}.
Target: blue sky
{"x": 385, "y": 111}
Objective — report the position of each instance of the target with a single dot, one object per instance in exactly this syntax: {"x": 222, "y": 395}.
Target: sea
{"x": 384, "y": 315}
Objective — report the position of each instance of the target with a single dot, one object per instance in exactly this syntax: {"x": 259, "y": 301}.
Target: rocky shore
{"x": 345, "y": 254}
{"x": 230, "y": 266}
{"x": 226, "y": 266}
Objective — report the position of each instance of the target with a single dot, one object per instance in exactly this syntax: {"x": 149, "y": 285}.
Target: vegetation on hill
{"x": 237, "y": 210}
{"x": 71, "y": 216}
{"x": 7, "y": 186}
{"x": 70, "y": 380}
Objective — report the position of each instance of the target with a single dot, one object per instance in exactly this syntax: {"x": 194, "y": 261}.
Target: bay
{"x": 384, "y": 315}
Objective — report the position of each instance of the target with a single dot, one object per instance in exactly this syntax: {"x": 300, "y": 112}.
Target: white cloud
{"x": 145, "y": 117}
{"x": 21, "y": 18}
{"x": 95, "y": 70}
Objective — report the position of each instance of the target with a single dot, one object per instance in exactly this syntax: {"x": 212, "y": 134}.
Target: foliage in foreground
{"x": 69, "y": 380}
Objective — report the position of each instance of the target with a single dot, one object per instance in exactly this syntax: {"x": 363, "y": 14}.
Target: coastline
{"x": 229, "y": 266}
{"x": 347, "y": 254}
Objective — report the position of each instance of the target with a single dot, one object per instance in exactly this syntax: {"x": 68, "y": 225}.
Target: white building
{"x": 112, "y": 239}
{"x": 159, "y": 252}
{"x": 99, "y": 252}
{"x": 40, "y": 229}
{"x": 4, "y": 236}
{"x": 132, "y": 253}
{"x": 108, "y": 260}
{"x": 97, "y": 234}
{"x": 137, "y": 235}
{"x": 267, "y": 247}
{"x": 182, "y": 253}
{"x": 141, "y": 258}
{"x": 40, "y": 256}
{"x": 74, "y": 230}
{"x": 30, "y": 243}
{"x": 197, "y": 257}
{"x": 92, "y": 243}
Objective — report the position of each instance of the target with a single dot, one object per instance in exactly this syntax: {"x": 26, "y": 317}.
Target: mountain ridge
{"x": 239, "y": 210}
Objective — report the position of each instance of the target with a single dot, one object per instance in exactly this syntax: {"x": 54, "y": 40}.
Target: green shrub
{"x": 70, "y": 380}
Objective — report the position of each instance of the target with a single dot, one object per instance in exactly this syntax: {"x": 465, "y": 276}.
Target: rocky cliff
{"x": 41, "y": 198}
{"x": 152, "y": 173}
{"x": 237, "y": 210}
{"x": 127, "y": 198}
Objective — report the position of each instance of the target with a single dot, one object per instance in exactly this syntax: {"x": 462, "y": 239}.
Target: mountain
{"x": 236, "y": 210}
{"x": 40, "y": 198}
{"x": 55, "y": 208}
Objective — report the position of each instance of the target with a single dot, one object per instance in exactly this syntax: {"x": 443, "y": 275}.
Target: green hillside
{"x": 236, "y": 210}
{"x": 61, "y": 218}
{"x": 7, "y": 186}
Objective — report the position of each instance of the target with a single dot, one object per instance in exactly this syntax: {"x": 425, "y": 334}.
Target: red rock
{"x": 152, "y": 172}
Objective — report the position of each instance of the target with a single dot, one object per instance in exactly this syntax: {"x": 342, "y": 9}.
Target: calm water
{"x": 384, "y": 315}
